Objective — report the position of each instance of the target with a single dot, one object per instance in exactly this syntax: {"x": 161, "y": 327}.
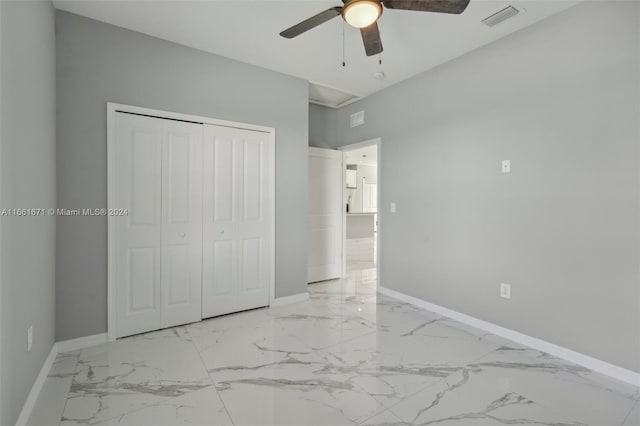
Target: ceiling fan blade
{"x": 371, "y": 39}
{"x": 439, "y": 6}
{"x": 312, "y": 22}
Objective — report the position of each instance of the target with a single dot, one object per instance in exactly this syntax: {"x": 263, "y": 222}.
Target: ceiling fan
{"x": 364, "y": 14}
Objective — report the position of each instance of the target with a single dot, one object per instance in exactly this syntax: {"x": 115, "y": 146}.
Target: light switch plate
{"x": 506, "y": 166}
{"x": 505, "y": 291}
{"x": 393, "y": 207}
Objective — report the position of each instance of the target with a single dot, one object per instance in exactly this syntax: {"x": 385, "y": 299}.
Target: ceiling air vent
{"x": 500, "y": 16}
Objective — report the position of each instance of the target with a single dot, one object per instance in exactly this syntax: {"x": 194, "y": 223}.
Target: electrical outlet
{"x": 29, "y": 338}
{"x": 505, "y": 291}
{"x": 393, "y": 207}
{"x": 506, "y": 166}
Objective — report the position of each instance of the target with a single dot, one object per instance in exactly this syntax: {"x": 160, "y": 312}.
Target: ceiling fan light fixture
{"x": 362, "y": 13}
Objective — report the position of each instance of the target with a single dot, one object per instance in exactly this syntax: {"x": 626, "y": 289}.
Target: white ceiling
{"x": 248, "y": 31}
{"x": 367, "y": 156}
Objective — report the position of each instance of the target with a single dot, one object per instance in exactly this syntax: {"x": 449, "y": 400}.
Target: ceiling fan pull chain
{"x": 380, "y": 59}
{"x": 344, "y": 63}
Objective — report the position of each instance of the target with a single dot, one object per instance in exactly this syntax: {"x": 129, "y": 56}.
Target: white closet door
{"x": 254, "y": 219}
{"x": 325, "y": 214}
{"x": 157, "y": 169}
{"x": 237, "y": 217}
{"x": 136, "y": 169}
{"x": 181, "y": 223}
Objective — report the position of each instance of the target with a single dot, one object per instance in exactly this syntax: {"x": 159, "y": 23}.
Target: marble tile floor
{"x": 361, "y": 253}
{"x": 347, "y": 356}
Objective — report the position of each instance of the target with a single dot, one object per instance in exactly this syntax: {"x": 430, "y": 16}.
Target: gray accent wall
{"x": 561, "y": 100}
{"x": 99, "y": 63}
{"x": 27, "y": 179}
{"x": 322, "y": 131}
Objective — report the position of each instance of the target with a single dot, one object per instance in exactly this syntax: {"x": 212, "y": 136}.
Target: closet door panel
{"x": 181, "y": 223}
{"x": 136, "y": 169}
{"x": 251, "y": 264}
{"x": 141, "y": 292}
{"x": 222, "y": 177}
{"x": 223, "y": 279}
{"x": 252, "y": 180}
{"x": 220, "y": 224}
{"x": 253, "y": 226}
{"x": 236, "y": 220}
{"x": 179, "y": 270}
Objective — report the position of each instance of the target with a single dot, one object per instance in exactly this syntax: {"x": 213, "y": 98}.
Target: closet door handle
{"x": 182, "y": 235}
{"x": 222, "y": 232}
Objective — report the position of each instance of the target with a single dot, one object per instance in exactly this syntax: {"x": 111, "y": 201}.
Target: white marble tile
{"x": 51, "y": 401}
{"x": 294, "y": 394}
{"x": 309, "y": 307}
{"x": 346, "y": 356}
{"x": 247, "y": 346}
{"x": 202, "y": 407}
{"x": 285, "y": 382}
{"x": 132, "y": 373}
{"x": 361, "y": 253}
{"x": 254, "y": 406}
{"x": 65, "y": 364}
{"x": 570, "y": 390}
{"x": 320, "y": 331}
{"x": 239, "y": 319}
{"x": 53, "y": 396}
{"x": 477, "y": 334}
{"x": 281, "y": 379}
{"x": 387, "y": 312}
{"x": 392, "y": 366}
{"x": 231, "y": 329}
{"x": 386, "y": 418}
{"x": 466, "y": 400}
{"x": 633, "y": 418}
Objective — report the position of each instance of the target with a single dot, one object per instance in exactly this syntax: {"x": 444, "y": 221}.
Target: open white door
{"x": 325, "y": 214}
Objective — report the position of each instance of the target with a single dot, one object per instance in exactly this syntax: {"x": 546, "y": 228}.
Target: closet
{"x": 196, "y": 240}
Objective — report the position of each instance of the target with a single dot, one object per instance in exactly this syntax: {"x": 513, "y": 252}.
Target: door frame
{"x": 112, "y": 109}
{"x": 351, "y": 147}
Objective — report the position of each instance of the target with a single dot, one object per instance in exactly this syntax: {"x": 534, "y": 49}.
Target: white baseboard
{"x": 594, "y": 364}
{"x": 82, "y": 342}
{"x": 280, "y": 301}
{"x": 30, "y": 402}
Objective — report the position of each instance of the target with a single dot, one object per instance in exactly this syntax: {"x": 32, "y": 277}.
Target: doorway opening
{"x": 361, "y": 195}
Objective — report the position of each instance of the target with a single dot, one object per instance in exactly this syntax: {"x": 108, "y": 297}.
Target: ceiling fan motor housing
{"x": 361, "y": 13}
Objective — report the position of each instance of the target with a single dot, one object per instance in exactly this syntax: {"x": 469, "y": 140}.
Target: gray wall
{"x": 27, "y": 168}
{"x": 322, "y": 132}
{"x": 97, "y": 63}
{"x": 559, "y": 99}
